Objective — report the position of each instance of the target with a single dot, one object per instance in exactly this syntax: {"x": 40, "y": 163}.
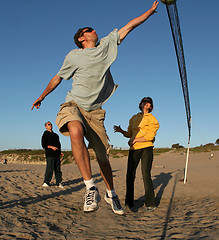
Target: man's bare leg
{"x": 81, "y": 155}
{"x": 79, "y": 149}
{"x": 82, "y": 159}
{"x": 110, "y": 196}
{"x": 106, "y": 172}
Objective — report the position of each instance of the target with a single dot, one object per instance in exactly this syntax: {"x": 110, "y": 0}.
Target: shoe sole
{"x": 117, "y": 212}
{"x": 91, "y": 210}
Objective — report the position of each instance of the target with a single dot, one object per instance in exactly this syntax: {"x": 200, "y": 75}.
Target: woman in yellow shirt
{"x": 142, "y": 130}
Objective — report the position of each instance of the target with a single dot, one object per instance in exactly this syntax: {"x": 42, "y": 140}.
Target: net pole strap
{"x": 187, "y": 162}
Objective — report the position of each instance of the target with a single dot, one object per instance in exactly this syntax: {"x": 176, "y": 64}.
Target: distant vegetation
{"x": 39, "y": 155}
{"x": 177, "y": 146}
{"x": 23, "y": 151}
{"x": 203, "y": 148}
{"x": 206, "y": 148}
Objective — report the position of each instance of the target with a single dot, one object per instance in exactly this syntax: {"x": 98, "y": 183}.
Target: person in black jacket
{"x": 51, "y": 144}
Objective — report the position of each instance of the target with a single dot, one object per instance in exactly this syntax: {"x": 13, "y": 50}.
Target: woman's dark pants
{"x": 146, "y": 157}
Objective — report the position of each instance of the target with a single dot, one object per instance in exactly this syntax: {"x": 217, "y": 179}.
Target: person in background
{"x": 51, "y": 144}
{"x": 142, "y": 130}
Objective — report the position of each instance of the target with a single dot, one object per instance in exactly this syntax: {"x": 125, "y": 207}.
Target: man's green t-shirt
{"x": 90, "y": 70}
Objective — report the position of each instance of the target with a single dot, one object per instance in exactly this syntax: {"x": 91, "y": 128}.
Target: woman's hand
{"x": 131, "y": 142}
{"x": 117, "y": 128}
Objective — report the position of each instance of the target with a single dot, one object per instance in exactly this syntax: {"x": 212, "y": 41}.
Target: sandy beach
{"x": 185, "y": 211}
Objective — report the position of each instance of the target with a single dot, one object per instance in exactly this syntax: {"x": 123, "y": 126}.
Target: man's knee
{"x": 76, "y": 130}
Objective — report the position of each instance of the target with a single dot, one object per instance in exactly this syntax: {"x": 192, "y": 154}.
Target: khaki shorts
{"x": 93, "y": 123}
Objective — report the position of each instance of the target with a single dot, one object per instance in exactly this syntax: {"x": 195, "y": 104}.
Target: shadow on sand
{"x": 43, "y": 197}
{"x": 161, "y": 181}
{"x": 163, "y": 236}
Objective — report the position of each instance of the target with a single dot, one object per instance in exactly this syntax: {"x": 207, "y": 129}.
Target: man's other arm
{"x": 54, "y": 82}
{"x": 123, "y": 32}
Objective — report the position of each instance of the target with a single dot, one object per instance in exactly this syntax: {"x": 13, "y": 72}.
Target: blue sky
{"x": 36, "y": 36}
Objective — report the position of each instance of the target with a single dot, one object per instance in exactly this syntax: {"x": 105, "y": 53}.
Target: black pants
{"x": 146, "y": 156}
{"x": 53, "y": 164}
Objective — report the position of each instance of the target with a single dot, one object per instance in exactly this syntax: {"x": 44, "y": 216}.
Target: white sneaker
{"x": 115, "y": 204}
{"x": 60, "y": 185}
{"x": 150, "y": 209}
{"x": 92, "y": 197}
{"x": 45, "y": 185}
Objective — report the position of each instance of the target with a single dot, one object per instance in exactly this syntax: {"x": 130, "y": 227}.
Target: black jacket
{"x": 52, "y": 139}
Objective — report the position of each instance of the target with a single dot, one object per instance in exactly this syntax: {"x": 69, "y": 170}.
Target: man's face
{"x": 88, "y": 34}
{"x": 49, "y": 126}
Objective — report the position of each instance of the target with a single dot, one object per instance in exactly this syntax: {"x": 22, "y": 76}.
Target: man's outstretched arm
{"x": 123, "y": 32}
{"x": 54, "y": 82}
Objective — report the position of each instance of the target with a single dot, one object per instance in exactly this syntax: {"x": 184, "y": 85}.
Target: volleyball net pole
{"x": 177, "y": 39}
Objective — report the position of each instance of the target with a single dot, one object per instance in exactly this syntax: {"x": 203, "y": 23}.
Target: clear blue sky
{"x": 36, "y": 36}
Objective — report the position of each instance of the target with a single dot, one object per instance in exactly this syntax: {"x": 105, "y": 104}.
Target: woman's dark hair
{"x": 78, "y": 35}
{"x": 144, "y": 101}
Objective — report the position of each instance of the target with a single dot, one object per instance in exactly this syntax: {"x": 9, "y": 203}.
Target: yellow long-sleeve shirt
{"x": 142, "y": 125}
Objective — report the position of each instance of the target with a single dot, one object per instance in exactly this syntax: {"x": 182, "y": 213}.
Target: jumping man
{"x": 82, "y": 114}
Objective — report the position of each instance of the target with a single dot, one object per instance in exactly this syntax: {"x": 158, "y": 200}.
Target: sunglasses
{"x": 87, "y": 30}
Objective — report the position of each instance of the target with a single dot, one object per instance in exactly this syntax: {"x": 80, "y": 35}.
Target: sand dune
{"x": 185, "y": 211}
